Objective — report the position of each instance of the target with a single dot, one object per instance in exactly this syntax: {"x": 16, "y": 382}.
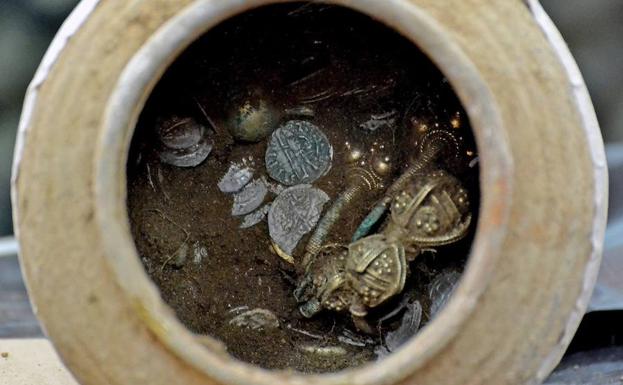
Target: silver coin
{"x": 255, "y": 217}
{"x": 187, "y": 157}
{"x": 235, "y": 179}
{"x": 298, "y": 152}
{"x": 441, "y": 289}
{"x": 293, "y": 214}
{"x": 409, "y": 326}
{"x": 256, "y": 319}
{"x": 249, "y": 198}
{"x": 183, "y": 142}
{"x": 180, "y": 133}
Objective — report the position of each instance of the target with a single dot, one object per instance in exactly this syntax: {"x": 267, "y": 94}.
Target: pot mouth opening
{"x": 140, "y": 100}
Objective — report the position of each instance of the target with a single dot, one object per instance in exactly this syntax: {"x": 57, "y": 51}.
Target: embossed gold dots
{"x": 355, "y": 155}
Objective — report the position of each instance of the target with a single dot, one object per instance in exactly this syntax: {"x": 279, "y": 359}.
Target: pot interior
{"x": 255, "y": 133}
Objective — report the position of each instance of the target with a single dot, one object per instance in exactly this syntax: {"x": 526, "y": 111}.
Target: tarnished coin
{"x": 298, "y": 152}
{"x": 441, "y": 289}
{"x": 179, "y": 133}
{"x": 183, "y": 142}
{"x": 293, "y": 214}
{"x": 249, "y": 198}
{"x": 255, "y": 217}
{"x": 189, "y": 157}
{"x": 256, "y": 319}
{"x": 409, "y": 326}
{"x": 235, "y": 179}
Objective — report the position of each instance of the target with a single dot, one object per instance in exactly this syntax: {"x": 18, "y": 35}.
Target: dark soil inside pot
{"x": 355, "y": 80}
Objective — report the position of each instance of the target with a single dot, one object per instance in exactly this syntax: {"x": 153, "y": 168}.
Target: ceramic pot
{"x": 533, "y": 261}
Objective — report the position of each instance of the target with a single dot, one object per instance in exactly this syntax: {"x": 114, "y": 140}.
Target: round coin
{"x": 294, "y": 213}
{"x": 298, "y": 152}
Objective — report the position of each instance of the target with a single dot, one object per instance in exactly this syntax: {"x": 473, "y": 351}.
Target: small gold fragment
{"x": 285, "y": 256}
{"x": 382, "y": 166}
{"x": 456, "y": 121}
{"x": 355, "y": 155}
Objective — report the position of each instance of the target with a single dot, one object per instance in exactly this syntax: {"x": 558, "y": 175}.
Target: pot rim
{"x": 127, "y": 101}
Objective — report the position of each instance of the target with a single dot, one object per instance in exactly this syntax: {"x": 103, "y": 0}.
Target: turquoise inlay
{"x": 370, "y": 220}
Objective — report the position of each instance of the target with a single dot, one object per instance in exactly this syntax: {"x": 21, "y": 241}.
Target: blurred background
{"x": 594, "y": 31}
{"x": 26, "y": 29}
